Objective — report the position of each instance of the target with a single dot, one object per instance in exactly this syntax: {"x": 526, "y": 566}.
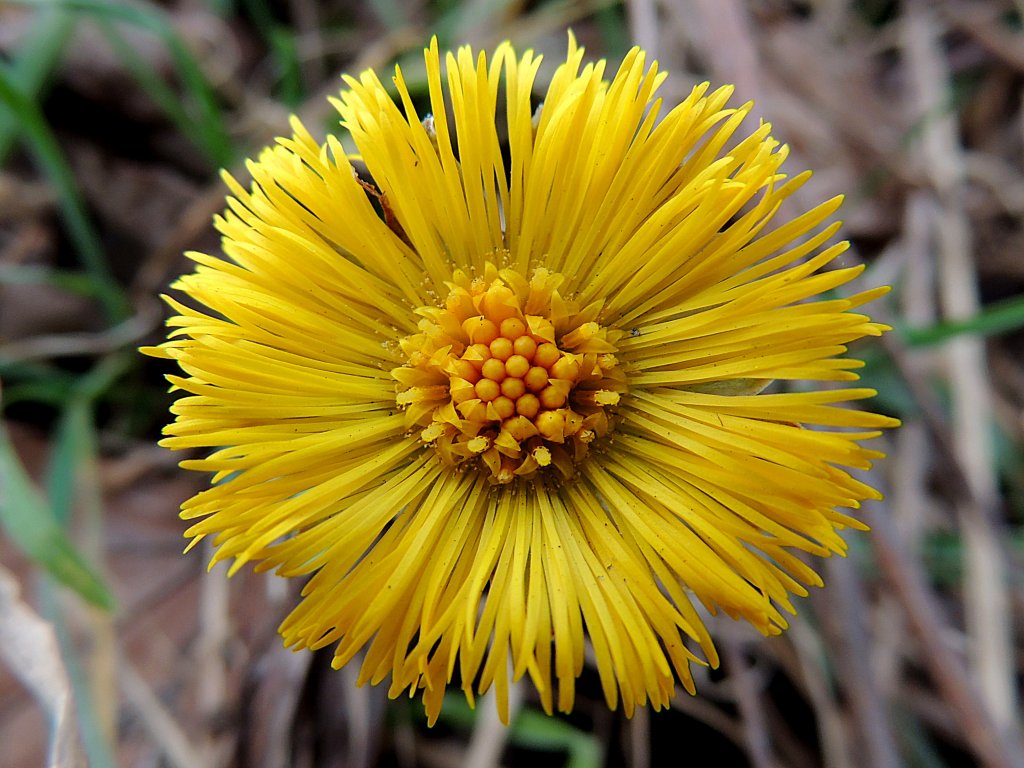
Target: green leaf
{"x": 539, "y": 731}
{"x": 533, "y": 730}
{"x": 29, "y": 522}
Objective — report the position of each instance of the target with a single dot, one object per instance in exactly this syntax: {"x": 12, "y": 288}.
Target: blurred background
{"x": 117, "y": 651}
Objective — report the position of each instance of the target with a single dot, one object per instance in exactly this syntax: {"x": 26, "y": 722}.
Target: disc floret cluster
{"x": 510, "y": 376}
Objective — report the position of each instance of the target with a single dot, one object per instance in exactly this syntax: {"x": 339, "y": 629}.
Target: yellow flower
{"x": 500, "y": 396}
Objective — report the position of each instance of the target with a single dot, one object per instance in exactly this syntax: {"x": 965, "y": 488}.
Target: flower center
{"x": 509, "y": 376}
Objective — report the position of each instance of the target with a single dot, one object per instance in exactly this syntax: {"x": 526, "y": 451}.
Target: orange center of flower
{"x": 509, "y": 376}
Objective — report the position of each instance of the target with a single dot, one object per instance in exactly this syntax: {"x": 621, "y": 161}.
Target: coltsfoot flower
{"x": 496, "y": 397}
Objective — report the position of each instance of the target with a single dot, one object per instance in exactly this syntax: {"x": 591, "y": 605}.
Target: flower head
{"x": 494, "y": 398}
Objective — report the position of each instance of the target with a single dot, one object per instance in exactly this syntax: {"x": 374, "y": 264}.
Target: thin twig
{"x": 640, "y": 738}
{"x": 489, "y": 735}
{"x": 643, "y": 24}
{"x": 986, "y": 600}
{"x": 850, "y": 642}
{"x": 359, "y": 719}
{"x": 705, "y": 712}
{"x": 730, "y": 45}
{"x": 811, "y": 658}
{"x": 166, "y": 733}
{"x": 214, "y": 633}
{"x": 946, "y": 668}
{"x": 126, "y": 333}
{"x": 983, "y": 22}
{"x": 748, "y": 699}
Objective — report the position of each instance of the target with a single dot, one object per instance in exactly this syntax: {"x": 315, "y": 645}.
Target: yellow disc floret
{"x": 509, "y": 376}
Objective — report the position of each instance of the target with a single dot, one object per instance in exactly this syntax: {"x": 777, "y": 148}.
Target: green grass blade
{"x": 284, "y": 50}
{"x": 208, "y": 117}
{"x": 72, "y": 469}
{"x": 153, "y": 84}
{"x": 614, "y": 29}
{"x": 98, "y": 751}
{"x": 73, "y": 454}
{"x": 33, "y": 65}
{"x": 18, "y": 370}
{"x": 37, "y": 274}
{"x": 27, "y": 381}
{"x": 999, "y": 317}
{"x": 28, "y": 521}
{"x": 43, "y": 146}
{"x": 41, "y": 391}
